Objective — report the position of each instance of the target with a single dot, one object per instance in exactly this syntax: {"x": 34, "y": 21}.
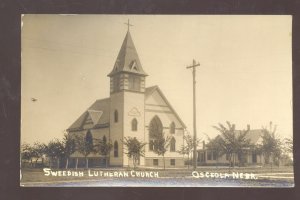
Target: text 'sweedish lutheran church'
{"x": 130, "y": 110}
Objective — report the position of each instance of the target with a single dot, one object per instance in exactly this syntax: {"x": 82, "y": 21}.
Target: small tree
{"x": 288, "y": 145}
{"x": 85, "y": 146}
{"x": 27, "y": 153}
{"x": 184, "y": 151}
{"x": 69, "y": 147}
{"x": 134, "y": 149}
{"x": 38, "y": 151}
{"x": 55, "y": 151}
{"x": 104, "y": 148}
{"x": 232, "y": 142}
{"x": 188, "y": 147}
{"x": 271, "y": 146}
{"x": 161, "y": 144}
{"x": 215, "y": 145}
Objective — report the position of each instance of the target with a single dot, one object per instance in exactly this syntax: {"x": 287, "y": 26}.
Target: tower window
{"x": 116, "y": 82}
{"x": 134, "y": 124}
{"x": 134, "y": 83}
{"x": 173, "y": 145}
{"x": 116, "y": 117}
{"x": 172, "y": 127}
{"x": 116, "y": 149}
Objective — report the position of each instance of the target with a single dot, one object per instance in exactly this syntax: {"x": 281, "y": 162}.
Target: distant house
{"x": 207, "y": 156}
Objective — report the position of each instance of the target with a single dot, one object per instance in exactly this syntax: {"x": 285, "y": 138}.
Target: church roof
{"x": 98, "y": 112}
{"x": 149, "y": 91}
{"x": 128, "y": 59}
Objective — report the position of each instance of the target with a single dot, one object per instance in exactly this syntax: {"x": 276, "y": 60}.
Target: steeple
{"x": 128, "y": 59}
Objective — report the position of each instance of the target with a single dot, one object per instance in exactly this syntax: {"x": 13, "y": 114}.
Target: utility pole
{"x": 193, "y": 66}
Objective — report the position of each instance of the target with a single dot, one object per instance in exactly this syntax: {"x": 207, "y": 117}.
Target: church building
{"x": 131, "y": 110}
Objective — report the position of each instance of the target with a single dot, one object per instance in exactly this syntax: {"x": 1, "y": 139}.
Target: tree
{"x": 232, "y": 142}
{"x": 161, "y": 144}
{"x": 184, "y": 151}
{"x": 288, "y": 145}
{"x": 271, "y": 146}
{"x": 55, "y": 151}
{"x": 188, "y": 147}
{"x": 69, "y": 147}
{"x": 38, "y": 151}
{"x": 134, "y": 149}
{"x": 215, "y": 145}
{"x": 85, "y": 146}
{"x": 27, "y": 153}
{"x": 104, "y": 148}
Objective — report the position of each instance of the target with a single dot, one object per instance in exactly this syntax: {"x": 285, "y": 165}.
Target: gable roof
{"x": 98, "y": 112}
{"x": 95, "y": 115}
{"x": 128, "y": 59}
{"x": 253, "y": 135}
{"x": 149, "y": 91}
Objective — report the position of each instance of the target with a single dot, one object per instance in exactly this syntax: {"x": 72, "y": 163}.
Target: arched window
{"x": 134, "y": 124}
{"x": 104, "y": 139}
{"x": 116, "y": 149}
{"x": 116, "y": 117}
{"x": 89, "y": 139}
{"x": 172, "y": 127}
{"x": 173, "y": 145}
{"x": 155, "y": 127}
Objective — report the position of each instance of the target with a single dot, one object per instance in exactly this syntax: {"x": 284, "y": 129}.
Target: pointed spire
{"x": 128, "y": 59}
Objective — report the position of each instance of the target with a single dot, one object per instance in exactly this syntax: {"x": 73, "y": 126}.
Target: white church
{"x": 134, "y": 110}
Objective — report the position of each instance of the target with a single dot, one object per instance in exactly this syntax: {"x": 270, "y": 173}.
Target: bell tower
{"x": 127, "y": 97}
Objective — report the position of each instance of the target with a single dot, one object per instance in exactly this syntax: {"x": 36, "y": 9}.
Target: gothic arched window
{"x": 134, "y": 124}
{"x": 116, "y": 149}
{"x": 173, "y": 145}
{"x": 104, "y": 139}
{"x": 155, "y": 127}
{"x": 172, "y": 127}
{"x": 116, "y": 117}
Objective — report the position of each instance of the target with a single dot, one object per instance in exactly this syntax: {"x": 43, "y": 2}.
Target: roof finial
{"x": 128, "y": 25}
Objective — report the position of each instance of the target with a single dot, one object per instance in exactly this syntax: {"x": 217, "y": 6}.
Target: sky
{"x": 245, "y": 72}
